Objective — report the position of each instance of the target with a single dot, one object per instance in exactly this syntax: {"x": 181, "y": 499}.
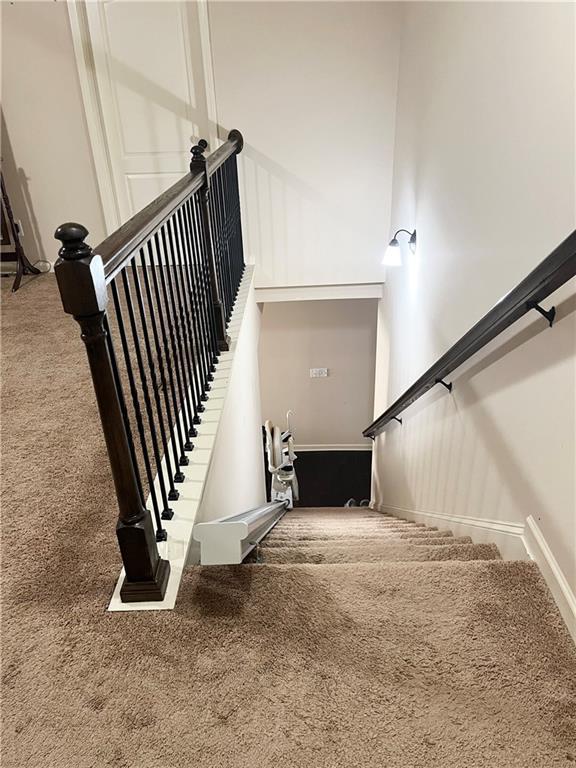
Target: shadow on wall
{"x": 283, "y": 214}
{"x": 470, "y": 453}
{"x": 18, "y": 191}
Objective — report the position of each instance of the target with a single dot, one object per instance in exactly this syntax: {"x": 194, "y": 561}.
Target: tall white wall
{"x": 336, "y": 334}
{"x": 312, "y": 85}
{"x": 46, "y": 156}
{"x": 484, "y": 168}
{"x": 235, "y": 481}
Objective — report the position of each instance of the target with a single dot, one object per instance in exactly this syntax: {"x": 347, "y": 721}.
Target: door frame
{"x": 93, "y": 108}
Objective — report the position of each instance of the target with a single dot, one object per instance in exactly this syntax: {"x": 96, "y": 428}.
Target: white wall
{"x": 336, "y": 334}
{"x": 484, "y": 168}
{"x": 313, "y": 88}
{"x": 235, "y": 481}
{"x": 46, "y": 155}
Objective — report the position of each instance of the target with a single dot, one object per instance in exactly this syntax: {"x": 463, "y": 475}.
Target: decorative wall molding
{"x": 93, "y": 112}
{"x": 115, "y": 166}
{"x": 515, "y": 542}
{"x": 506, "y": 535}
{"x": 319, "y": 292}
{"x": 538, "y": 549}
{"x": 208, "y": 66}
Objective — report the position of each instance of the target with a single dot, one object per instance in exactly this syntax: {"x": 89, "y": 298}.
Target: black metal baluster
{"x": 188, "y": 415}
{"x": 238, "y": 219}
{"x": 229, "y": 235}
{"x": 161, "y": 534}
{"x": 205, "y": 280}
{"x": 192, "y": 290}
{"x": 235, "y": 203}
{"x": 173, "y": 421}
{"x": 122, "y": 402}
{"x": 218, "y": 241}
{"x": 219, "y": 226}
{"x": 167, "y": 513}
{"x": 178, "y": 311}
{"x": 198, "y": 165}
{"x": 189, "y": 288}
{"x": 171, "y": 355}
{"x": 175, "y": 238}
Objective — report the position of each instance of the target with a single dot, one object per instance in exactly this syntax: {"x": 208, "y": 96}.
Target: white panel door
{"x": 149, "y": 72}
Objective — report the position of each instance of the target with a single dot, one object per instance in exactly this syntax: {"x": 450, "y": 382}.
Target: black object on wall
{"x": 330, "y": 478}
{"x": 10, "y": 245}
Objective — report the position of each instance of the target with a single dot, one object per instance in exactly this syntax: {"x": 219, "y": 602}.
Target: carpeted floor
{"x": 443, "y": 664}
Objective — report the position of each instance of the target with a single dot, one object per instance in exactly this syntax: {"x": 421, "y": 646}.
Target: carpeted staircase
{"x": 360, "y": 535}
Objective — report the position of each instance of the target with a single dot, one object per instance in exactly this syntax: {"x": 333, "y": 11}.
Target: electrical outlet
{"x": 19, "y": 227}
{"x": 318, "y": 373}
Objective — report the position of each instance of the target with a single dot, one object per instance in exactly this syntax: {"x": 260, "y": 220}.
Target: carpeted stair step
{"x": 382, "y": 553}
{"x": 435, "y": 541}
{"x": 331, "y": 527}
{"x": 313, "y": 536}
{"x": 400, "y": 538}
{"x": 342, "y": 523}
{"x": 328, "y": 526}
{"x": 426, "y": 534}
{"x": 381, "y": 542}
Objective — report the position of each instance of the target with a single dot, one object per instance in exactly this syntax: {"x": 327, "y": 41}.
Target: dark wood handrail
{"x": 121, "y": 244}
{"x": 547, "y": 277}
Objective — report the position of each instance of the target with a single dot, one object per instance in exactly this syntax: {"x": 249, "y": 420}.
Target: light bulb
{"x": 393, "y": 255}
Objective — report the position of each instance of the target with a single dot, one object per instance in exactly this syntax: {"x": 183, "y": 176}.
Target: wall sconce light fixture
{"x": 393, "y": 256}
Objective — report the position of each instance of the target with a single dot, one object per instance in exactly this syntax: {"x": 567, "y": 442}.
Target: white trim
{"x": 93, "y": 113}
{"x": 538, "y": 549}
{"x": 320, "y": 292}
{"x": 228, "y": 540}
{"x": 509, "y": 537}
{"x": 335, "y": 447}
{"x": 180, "y": 528}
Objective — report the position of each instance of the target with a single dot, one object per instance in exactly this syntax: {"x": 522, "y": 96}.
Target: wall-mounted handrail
{"x": 547, "y": 277}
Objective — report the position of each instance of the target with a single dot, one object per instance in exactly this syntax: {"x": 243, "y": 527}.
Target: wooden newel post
{"x": 198, "y": 163}
{"x": 82, "y": 284}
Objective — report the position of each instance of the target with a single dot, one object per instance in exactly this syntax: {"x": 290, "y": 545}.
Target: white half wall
{"x": 235, "y": 481}
{"x": 484, "y": 169}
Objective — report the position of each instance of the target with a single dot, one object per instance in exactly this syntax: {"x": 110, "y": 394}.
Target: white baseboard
{"x": 507, "y": 536}
{"x": 538, "y": 549}
{"x": 336, "y": 447}
{"x": 515, "y": 542}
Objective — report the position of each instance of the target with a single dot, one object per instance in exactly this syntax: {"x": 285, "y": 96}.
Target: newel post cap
{"x": 72, "y": 237}
{"x": 79, "y": 273}
{"x": 198, "y": 160}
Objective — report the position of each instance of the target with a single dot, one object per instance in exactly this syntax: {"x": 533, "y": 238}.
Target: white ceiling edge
{"x": 319, "y": 292}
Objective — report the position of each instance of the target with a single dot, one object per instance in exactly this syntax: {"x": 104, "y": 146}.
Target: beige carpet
{"x": 363, "y": 665}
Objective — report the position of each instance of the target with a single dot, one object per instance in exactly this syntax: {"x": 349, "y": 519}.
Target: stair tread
{"x": 383, "y": 541}
{"x": 367, "y": 553}
{"x": 334, "y": 536}
{"x": 352, "y": 539}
